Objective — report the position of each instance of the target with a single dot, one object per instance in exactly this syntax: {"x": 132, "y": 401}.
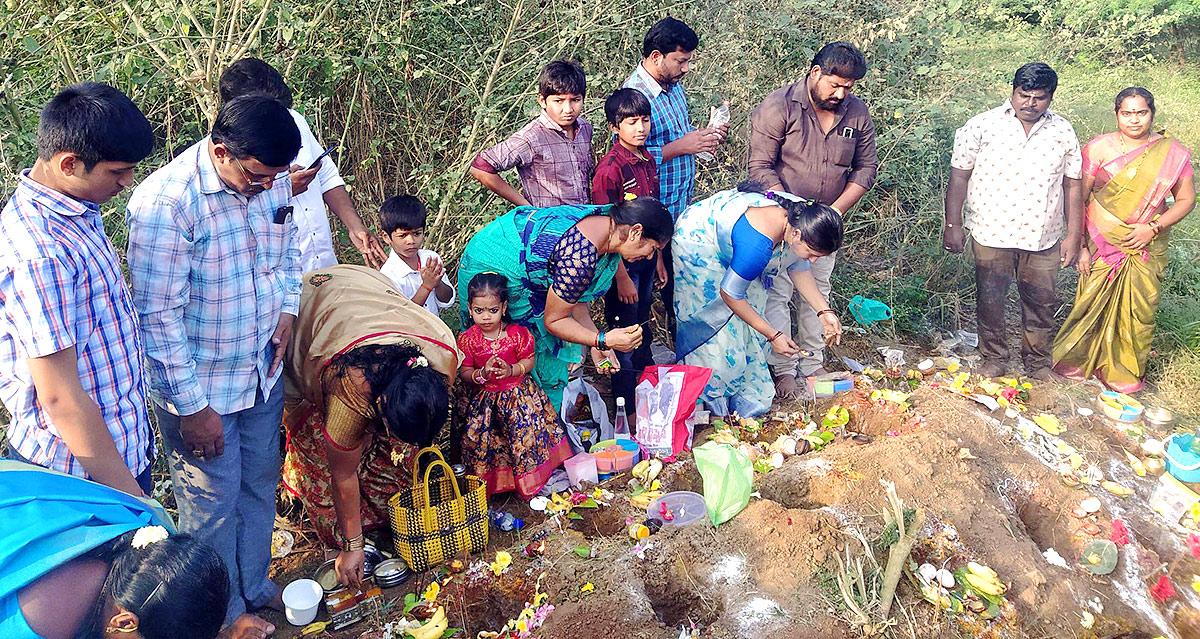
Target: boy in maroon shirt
{"x": 628, "y": 170}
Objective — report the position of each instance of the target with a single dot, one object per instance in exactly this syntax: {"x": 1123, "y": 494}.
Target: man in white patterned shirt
{"x": 215, "y": 275}
{"x": 1017, "y": 169}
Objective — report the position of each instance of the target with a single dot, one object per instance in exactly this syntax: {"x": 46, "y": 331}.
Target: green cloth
{"x": 518, "y": 245}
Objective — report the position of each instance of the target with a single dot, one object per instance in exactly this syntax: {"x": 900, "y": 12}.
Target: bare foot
{"x": 786, "y": 387}
{"x": 247, "y": 627}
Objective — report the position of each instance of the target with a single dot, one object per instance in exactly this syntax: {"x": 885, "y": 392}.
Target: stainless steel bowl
{"x": 391, "y": 573}
{"x": 371, "y": 559}
{"x": 1159, "y": 416}
{"x": 326, "y": 575}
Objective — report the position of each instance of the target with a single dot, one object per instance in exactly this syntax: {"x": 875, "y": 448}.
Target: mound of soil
{"x": 987, "y": 495}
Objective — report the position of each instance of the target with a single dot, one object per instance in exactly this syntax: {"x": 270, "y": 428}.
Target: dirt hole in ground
{"x": 600, "y": 522}
{"x": 491, "y": 604}
{"x": 677, "y": 596}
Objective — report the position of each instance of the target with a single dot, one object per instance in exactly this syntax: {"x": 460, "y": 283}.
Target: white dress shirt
{"x": 1015, "y": 196}
{"x": 313, "y": 236}
{"x": 408, "y": 281}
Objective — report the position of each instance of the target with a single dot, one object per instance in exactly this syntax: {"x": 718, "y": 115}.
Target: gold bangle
{"x": 353, "y": 544}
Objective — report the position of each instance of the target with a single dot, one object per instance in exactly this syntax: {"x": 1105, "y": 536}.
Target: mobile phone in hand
{"x": 318, "y": 160}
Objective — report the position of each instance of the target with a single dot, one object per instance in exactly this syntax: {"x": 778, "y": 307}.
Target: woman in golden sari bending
{"x": 368, "y": 374}
{"x": 1127, "y": 177}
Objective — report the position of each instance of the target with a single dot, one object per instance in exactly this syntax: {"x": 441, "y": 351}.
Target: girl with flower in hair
{"x": 368, "y": 377}
{"x": 510, "y": 433}
{"x": 80, "y": 559}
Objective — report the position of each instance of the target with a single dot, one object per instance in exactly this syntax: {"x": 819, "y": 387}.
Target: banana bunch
{"x": 647, "y": 470}
{"x": 434, "y": 628}
{"x": 642, "y": 500}
{"x": 984, "y": 579}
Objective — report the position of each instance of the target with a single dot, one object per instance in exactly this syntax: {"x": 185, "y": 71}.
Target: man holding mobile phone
{"x": 316, "y": 182}
{"x": 816, "y": 140}
{"x": 215, "y": 274}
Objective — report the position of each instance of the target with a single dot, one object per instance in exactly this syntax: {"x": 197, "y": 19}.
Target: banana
{"x": 316, "y": 627}
{"x": 640, "y": 469}
{"x": 982, "y": 571}
{"x": 1116, "y": 489}
{"x": 986, "y": 586}
{"x": 434, "y": 628}
{"x": 656, "y": 467}
{"x": 642, "y": 500}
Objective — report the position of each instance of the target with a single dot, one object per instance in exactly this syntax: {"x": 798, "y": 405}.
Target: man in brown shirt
{"x": 816, "y": 140}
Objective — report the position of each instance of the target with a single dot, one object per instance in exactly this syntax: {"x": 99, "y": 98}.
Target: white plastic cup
{"x": 581, "y": 468}
{"x": 300, "y": 601}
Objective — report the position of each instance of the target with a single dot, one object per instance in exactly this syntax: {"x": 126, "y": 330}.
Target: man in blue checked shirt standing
{"x": 215, "y": 273}
{"x": 70, "y": 355}
{"x": 666, "y": 57}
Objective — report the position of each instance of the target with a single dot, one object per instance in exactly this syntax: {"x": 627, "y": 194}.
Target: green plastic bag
{"x": 728, "y": 480}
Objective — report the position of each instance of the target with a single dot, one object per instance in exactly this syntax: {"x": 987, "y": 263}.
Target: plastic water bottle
{"x": 621, "y": 423}
{"x": 719, "y": 117}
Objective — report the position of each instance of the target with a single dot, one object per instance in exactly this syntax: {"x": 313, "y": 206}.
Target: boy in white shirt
{"x": 417, "y": 273}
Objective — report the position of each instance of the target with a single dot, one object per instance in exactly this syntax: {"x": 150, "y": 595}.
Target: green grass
{"x": 1084, "y": 96}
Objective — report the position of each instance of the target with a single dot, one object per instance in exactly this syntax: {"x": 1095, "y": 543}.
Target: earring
{"x": 122, "y": 631}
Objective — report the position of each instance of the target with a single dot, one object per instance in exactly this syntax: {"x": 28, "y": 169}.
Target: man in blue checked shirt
{"x": 70, "y": 355}
{"x": 214, "y": 269}
{"x": 666, "y": 57}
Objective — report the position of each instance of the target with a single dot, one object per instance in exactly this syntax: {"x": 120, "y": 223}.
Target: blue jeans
{"x": 144, "y": 480}
{"x": 229, "y": 502}
{"x": 618, "y": 314}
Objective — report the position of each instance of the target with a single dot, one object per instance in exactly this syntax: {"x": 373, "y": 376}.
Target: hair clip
{"x": 630, "y": 196}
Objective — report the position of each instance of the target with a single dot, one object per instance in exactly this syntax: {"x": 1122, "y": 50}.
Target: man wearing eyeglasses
{"x": 215, "y": 274}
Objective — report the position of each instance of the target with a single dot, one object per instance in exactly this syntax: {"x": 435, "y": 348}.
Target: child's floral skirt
{"x": 511, "y": 439}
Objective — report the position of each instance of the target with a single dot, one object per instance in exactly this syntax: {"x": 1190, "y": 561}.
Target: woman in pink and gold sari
{"x": 1128, "y": 176}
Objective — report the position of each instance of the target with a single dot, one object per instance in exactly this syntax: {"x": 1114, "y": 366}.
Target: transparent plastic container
{"x": 719, "y": 117}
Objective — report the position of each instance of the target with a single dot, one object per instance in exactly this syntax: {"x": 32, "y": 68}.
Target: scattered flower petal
{"x": 588, "y": 587}
{"x": 1120, "y": 533}
{"x": 1162, "y": 590}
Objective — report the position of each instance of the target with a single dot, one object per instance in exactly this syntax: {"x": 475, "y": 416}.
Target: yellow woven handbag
{"x": 433, "y": 520}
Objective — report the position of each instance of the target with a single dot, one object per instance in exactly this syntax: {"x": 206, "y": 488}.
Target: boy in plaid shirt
{"x": 553, "y": 153}
{"x": 628, "y": 170}
{"x": 70, "y": 355}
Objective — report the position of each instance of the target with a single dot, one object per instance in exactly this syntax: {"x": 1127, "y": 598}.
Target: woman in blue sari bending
{"x": 79, "y": 560}
{"x": 556, "y": 260}
{"x": 728, "y": 249}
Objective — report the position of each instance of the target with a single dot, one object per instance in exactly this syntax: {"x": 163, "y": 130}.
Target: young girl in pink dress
{"x": 510, "y": 433}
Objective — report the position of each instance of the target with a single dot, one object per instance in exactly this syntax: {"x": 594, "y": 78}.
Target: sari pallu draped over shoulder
{"x": 519, "y": 246}
{"x": 346, "y": 306}
{"x": 1110, "y": 328}
{"x": 48, "y": 518}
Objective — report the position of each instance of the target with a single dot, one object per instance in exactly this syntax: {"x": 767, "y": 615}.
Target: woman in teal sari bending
{"x": 556, "y": 260}
{"x": 79, "y": 560}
